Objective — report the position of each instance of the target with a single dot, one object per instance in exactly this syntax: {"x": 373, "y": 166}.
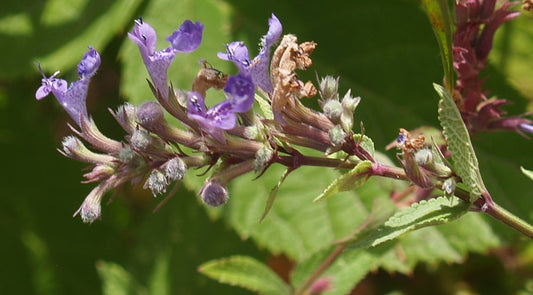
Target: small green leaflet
{"x": 463, "y": 155}
{"x": 348, "y": 181}
{"x": 246, "y": 272}
{"x": 422, "y": 214}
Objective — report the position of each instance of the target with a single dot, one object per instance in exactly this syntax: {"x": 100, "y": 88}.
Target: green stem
{"x": 508, "y": 218}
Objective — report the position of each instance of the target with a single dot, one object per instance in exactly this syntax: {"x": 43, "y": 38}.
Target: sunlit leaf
{"x": 425, "y": 213}
{"x": 348, "y": 181}
{"x": 245, "y": 272}
{"x": 463, "y": 155}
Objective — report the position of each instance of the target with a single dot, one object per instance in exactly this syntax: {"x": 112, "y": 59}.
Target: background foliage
{"x": 384, "y": 50}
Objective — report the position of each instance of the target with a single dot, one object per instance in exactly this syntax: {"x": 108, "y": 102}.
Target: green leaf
{"x": 273, "y": 194}
{"x": 265, "y": 107}
{"x": 441, "y": 22}
{"x": 245, "y": 272}
{"x": 459, "y": 144}
{"x": 295, "y": 226}
{"x": 56, "y": 33}
{"x": 425, "y": 213}
{"x": 527, "y": 173}
{"x": 117, "y": 281}
{"x": 365, "y": 142}
{"x": 348, "y": 181}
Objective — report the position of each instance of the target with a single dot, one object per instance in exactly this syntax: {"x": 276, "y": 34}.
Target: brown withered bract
{"x": 412, "y": 144}
{"x": 208, "y": 77}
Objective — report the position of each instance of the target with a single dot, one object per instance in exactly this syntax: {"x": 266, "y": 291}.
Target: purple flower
{"x": 185, "y": 39}
{"x": 258, "y": 67}
{"x": 213, "y": 121}
{"x": 240, "y": 91}
{"x": 72, "y": 98}
{"x": 240, "y": 97}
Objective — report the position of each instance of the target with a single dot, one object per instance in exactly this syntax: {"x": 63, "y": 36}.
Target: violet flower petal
{"x": 260, "y": 64}
{"x": 187, "y": 37}
{"x": 238, "y": 53}
{"x": 241, "y": 91}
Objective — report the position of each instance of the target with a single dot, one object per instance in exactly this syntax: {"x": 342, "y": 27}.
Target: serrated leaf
{"x": 365, "y": 142}
{"x": 245, "y": 272}
{"x": 527, "y": 173}
{"x": 117, "y": 281}
{"x": 348, "y": 181}
{"x": 425, "y": 213}
{"x": 441, "y": 22}
{"x": 462, "y": 152}
{"x": 295, "y": 226}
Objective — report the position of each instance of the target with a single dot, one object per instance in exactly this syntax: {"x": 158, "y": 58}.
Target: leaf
{"x": 366, "y": 143}
{"x": 273, "y": 194}
{"x": 116, "y": 280}
{"x": 265, "y": 107}
{"x": 245, "y": 272}
{"x": 295, "y": 226}
{"x": 425, "y": 213}
{"x": 57, "y": 33}
{"x": 441, "y": 22}
{"x": 527, "y": 173}
{"x": 459, "y": 144}
{"x": 348, "y": 181}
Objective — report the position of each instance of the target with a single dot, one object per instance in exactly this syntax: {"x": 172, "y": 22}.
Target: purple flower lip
{"x": 187, "y": 37}
{"x": 259, "y": 66}
{"x": 240, "y": 92}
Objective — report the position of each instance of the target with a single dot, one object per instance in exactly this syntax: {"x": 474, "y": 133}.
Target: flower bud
{"x": 75, "y": 149}
{"x": 349, "y": 104}
{"x": 126, "y": 154}
{"x": 214, "y": 194}
{"x": 175, "y": 169}
{"x": 150, "y": 115}
{"x": 337, "y": 135}
{"x": 333, "y": 110}
{"x": 262, "y": 157}
{"x": 424, "y": 157}
{"x": 329, "y": 88}
{"x": 320, "y": 286}
{"x": 140, "y": 139}
{"x": 90, "y": 210}
{"x": 449, "y": 186}
{"x": 156, "y": 182}
{"x": 125, "y": 116}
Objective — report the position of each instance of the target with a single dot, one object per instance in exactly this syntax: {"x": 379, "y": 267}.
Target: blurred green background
{"x": 384, "y": 50}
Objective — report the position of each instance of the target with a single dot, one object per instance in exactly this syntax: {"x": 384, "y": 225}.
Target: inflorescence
{"x": 232, "y": 138}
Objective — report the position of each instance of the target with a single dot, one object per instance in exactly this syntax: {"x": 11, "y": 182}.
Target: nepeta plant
{"x": 233, "y": 138}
